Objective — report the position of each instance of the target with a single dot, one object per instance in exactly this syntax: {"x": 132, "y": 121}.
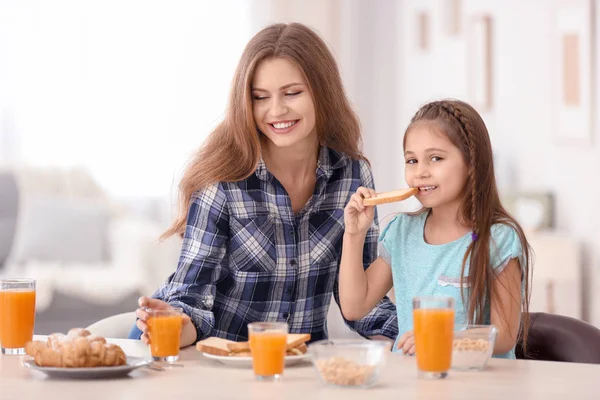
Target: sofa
{"x": 91, "y": 254}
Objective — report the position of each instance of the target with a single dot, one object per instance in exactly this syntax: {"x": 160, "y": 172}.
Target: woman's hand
{"x": 358, "y": 217}
{"x": 406, "y": 343}
{"x": 146, "y": 302}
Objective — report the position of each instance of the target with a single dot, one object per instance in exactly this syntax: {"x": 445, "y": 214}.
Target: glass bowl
{"x": 473, "y": 346}
{"x": 349, "y": 362}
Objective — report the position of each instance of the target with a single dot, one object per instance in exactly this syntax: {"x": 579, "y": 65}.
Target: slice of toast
{"x": 293, "y": 340}
{"x": 236, "y": 347}
{"x": 297, "y": 339}
{"x": 298, "y": 350}
{"x": 214, "y": 345}
{"x": 390, "y": 197}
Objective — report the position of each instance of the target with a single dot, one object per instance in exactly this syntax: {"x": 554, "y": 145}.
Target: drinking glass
{"x": 164, "y": 332}
{"x": 433, "y": 320}
{"x": 17, "y": 314}
{"x": 268, "y": 342}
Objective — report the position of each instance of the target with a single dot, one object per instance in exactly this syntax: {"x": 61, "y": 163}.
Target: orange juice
{"x": 268, "y": 352}
{"x": 165, "y": 335}
{"x": 17, "y": 317}
{"x": 434, "y": 331}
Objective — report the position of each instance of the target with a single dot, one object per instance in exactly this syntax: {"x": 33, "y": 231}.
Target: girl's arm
{"x": 506, "y": 306}
{"x": 360, "y": 289}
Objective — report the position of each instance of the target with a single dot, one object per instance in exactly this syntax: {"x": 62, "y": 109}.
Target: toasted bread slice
{"x": 214, "y": 345}
{"x": 237, "y": 347}
{"x": 245, "y": 353}
{"x": 293, "y": 340}
{"x": 390, "y": 197}
{"x": 297, "y": 351}
{"x": 297, "y": 339}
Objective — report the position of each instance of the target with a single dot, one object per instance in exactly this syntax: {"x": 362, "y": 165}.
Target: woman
{"x": 262, "y": 203}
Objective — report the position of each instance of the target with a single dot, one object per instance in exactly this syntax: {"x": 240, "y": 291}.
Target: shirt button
{"x": 285, "y": 315}
{"x": 289, "y": 290}
{"x": 293, "y": 263}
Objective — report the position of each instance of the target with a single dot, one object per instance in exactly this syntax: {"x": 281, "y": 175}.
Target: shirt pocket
{"x": 446, "y": 281}
{"x": 451, "y": 286}
{"x": 326, "y": 229}
{"x": 252, "y": 246}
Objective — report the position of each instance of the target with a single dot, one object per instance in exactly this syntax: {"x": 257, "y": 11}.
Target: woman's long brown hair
{"x": 232, "y": 151}
{"x": 481, "y": 207}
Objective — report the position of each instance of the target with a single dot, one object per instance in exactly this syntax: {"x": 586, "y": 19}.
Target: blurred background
{"x": 103, "y": 102}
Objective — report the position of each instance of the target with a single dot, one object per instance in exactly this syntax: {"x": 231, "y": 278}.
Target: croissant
{"x": 77, "y": 349}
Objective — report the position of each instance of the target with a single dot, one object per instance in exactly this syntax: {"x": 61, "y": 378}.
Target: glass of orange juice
{"x": 433, "y": 323}
{"x": 268, "y": 342}
{"x": 164, "y": 332}
{"x": 17, "y": 314}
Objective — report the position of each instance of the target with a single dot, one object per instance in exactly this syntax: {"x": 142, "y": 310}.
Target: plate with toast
{"x": 237, "y": 354}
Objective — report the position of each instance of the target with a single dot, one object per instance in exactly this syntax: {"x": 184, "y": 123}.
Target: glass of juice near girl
{"x": 433, "y": 320}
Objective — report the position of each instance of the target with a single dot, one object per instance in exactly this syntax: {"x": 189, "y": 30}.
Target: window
{"x": 128, "y": 89}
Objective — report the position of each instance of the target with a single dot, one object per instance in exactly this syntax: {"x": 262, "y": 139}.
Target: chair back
{"x": 555, "y": 337}
{"x": 115, "y": 327}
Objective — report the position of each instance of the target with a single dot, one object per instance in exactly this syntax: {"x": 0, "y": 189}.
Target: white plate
{"x": 246, "y": 362}
{"x": 91, "y": 373}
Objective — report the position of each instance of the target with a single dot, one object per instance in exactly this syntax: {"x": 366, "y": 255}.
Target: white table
{"x": 202, "y": 378}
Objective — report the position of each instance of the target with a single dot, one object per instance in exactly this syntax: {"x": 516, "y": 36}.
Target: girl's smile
{"x": 426, "y": 190}
{"x": 435, "y": 166}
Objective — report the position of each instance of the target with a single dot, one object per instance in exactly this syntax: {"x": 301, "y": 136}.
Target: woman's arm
{"x": 193, "y": 285}
{"x": 506, "y": 306}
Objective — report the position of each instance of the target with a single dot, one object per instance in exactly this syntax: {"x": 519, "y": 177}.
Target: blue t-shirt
{"x": 422, "y": 269}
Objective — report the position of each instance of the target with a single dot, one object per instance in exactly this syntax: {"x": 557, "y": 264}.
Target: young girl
{"x": 262, "y": 203}
{"x": 462, "y": 243}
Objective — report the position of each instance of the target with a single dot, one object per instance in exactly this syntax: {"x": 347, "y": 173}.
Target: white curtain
{"x": 126, "y": 88}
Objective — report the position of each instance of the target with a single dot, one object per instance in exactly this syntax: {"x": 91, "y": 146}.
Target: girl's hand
{"x": 146, "y": 302}
{"x": 406, "y": 343}
{"x": 358, "y": 217}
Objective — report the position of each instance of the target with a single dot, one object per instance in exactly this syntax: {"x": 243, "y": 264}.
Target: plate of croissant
{"x": 79, "y": 354}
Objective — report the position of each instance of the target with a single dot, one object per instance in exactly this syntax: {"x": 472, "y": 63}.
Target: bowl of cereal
{"x": 349, "y": 362}
{"x": 473, "y": 346}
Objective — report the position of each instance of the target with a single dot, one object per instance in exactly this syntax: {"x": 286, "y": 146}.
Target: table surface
{"x": 204, "y": 378}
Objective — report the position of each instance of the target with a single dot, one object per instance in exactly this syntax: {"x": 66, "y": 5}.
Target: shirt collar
{"x": 329, "y": 160}
{"x": 261, "y": 171}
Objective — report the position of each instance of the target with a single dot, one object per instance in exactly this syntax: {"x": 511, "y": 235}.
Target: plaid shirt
{"x": 246, "y": 257}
